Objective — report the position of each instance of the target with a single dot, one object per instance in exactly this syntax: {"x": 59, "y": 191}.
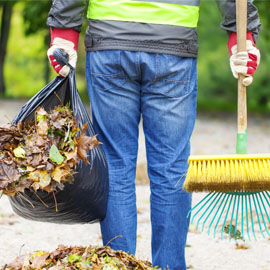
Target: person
{"x": 141, "y": 62}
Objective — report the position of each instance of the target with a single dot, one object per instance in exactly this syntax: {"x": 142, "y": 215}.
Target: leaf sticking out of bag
{"x": 86, "y": 143}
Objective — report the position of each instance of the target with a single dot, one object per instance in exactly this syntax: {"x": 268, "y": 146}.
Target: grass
{"x": 25, "y": 62}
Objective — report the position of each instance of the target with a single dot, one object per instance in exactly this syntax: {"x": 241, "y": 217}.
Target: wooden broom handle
{"x": 241, "y": 28}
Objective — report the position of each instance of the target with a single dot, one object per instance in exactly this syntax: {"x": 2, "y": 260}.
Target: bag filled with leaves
{"x": 42, "y": 154}
{"x": 79, "y": 258}
{"x": 57, "y": 168}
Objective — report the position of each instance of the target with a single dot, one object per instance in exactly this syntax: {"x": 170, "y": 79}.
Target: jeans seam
{"x": 119, "y": 58}
{"x": 106, "y": 75}
{"x": 156, "y": 72}
{"x": 157, "y": 69}
{"x": 187, "y": 82}
{"x": 171, "y": 80}
{"x": 167, "y": 80}
{"x": 189, "y": 75}
{"x": 138, "y": 65}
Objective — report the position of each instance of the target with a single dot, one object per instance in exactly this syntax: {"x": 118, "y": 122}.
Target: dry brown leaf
{"x": 37, "y": 158}
{"x": 39, "y": 141}
{"x": 5, "y": 138}
{"x": 41, "y": 178}
{"x": 49, "y": 166}
{"x": 39, "y": 260}
{"x": 57, "y": 174}
{"x": 44, "y": 179}
{"x": 241, "y": 246}
{"x": 8, "y": 174}
{"x": 42, "y": 128}
{"x": 59, "y": 123}
{"x": 72, "y": 155}
{"x": 30, "y": 168}
{"x": 18, "y": 263}
{"x": 23, "y": 184}
{"x": 86, "y": 143}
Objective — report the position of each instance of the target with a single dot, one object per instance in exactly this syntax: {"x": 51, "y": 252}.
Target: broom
{"x": 238, "y": 183}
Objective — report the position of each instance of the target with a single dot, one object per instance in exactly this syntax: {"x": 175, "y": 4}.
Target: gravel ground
{"x": 214, "y": 134}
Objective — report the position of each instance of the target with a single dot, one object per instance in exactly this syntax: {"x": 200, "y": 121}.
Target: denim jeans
{"x": 124, "y": 86}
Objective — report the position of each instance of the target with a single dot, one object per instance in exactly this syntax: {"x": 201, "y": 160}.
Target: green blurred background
{"x": 24, "y": 67}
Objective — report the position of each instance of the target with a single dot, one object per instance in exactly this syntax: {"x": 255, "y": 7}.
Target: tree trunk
{"x": 46, "y": 62}
{"x": 5, "y": 26}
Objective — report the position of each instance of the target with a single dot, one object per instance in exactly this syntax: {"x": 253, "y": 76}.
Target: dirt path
{"x": 213, "y": 135}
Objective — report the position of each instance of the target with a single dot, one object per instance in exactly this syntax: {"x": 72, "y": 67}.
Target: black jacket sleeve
{"x": 67, "y": 14}
{"x": 228, "y": 10}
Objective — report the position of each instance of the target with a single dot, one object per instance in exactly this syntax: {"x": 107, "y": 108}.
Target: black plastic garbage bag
{"x": 84, "y": 200}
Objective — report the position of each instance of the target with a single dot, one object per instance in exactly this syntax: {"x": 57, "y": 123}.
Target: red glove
{"x": 246, "y": 62}
{"x": 66, "y": 40}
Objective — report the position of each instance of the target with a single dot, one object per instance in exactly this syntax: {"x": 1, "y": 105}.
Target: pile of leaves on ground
{"x": 73, "y": 258}
{"x": 42, "y": 154}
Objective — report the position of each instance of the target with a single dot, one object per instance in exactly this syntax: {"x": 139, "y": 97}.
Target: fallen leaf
{"x": 39, "y": 260}
{"x": 241, "y": 246}
{"x": 234, "y": 234}
{"x": 18, "y": 263}
{"x": 74, "y": 258}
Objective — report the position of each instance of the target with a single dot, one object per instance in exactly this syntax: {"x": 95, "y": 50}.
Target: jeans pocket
{"x": 172, "y": 75}
{"x": 106, "y": 70}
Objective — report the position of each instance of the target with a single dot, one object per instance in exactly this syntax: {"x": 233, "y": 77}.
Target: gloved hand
{"x": 66, "y": 40}
{"x": 243, "y": 62}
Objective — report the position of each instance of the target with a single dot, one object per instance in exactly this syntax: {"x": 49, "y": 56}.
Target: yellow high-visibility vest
{"x": 167, "y": 12}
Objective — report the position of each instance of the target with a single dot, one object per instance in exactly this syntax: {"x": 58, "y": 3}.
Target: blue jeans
{"x": 123, "y": 86}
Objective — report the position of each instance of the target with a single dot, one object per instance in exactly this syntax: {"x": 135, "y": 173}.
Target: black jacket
{"x": 135, "y": 36}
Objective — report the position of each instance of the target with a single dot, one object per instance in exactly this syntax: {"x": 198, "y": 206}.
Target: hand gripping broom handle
{"x": 241, "y": 28}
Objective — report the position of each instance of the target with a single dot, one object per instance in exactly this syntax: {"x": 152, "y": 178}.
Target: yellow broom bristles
{"x": 228, "y": 173}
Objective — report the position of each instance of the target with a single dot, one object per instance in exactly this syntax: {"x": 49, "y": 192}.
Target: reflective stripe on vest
{"x": 144, "y": 12}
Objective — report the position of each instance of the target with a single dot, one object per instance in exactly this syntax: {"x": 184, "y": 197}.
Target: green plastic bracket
{"x": 241, "y": 145}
